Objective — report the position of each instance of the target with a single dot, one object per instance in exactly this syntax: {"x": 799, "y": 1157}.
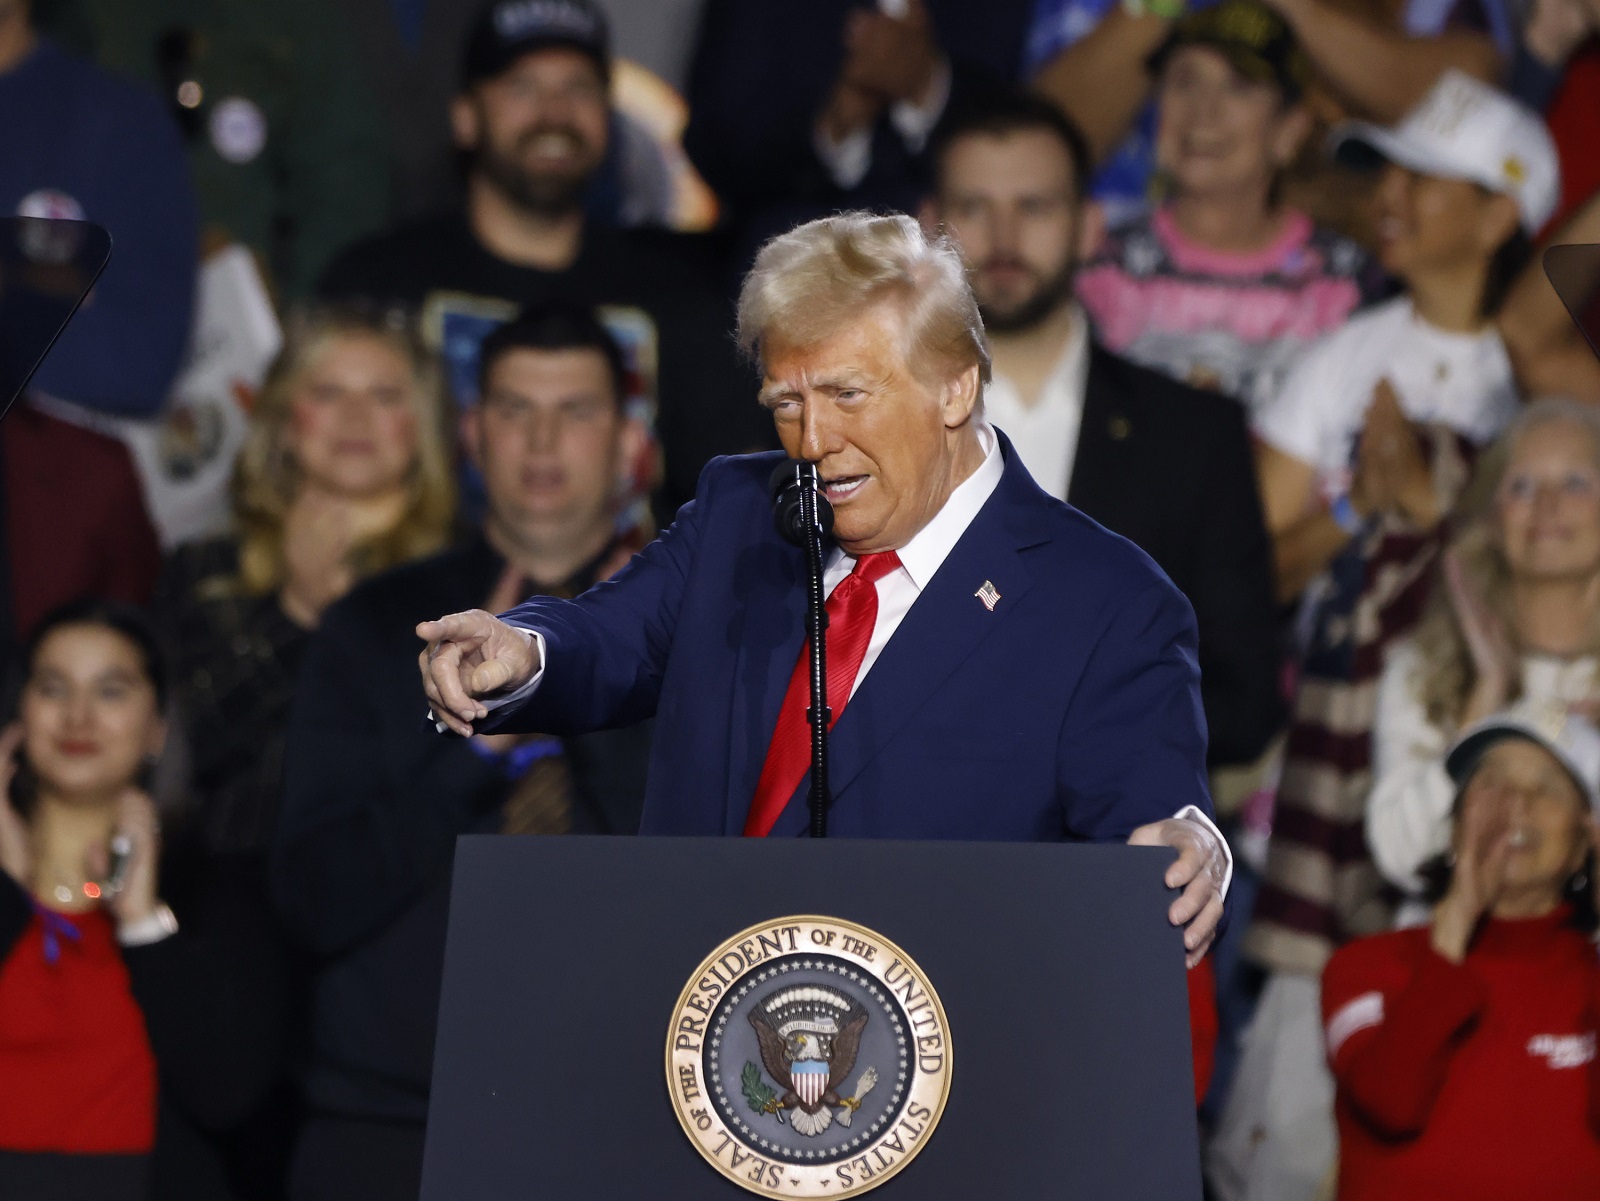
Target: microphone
{"x": 804, "y": 517}
{"x": 789, "y": 479}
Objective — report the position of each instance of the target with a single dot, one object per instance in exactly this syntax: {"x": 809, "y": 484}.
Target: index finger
{"x": 449, "y": 628}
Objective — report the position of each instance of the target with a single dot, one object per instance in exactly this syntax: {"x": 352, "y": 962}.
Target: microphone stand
{"x": 819, "y": 715}
{"x": 804, "y": 518}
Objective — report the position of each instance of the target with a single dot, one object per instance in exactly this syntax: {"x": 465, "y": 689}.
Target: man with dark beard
{"x": 531, "y": 119}
{"x": 1166, "y": 465}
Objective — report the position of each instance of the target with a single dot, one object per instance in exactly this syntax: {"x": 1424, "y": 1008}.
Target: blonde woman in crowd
{"x": 347, "y": 470}
{"x": 1516, "y": 615}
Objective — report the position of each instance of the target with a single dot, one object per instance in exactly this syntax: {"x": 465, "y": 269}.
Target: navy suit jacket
{"x": 1072, "y": 711}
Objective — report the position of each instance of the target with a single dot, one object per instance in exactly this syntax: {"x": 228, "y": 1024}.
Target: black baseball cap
{"x": 507, "y": 29}
{"x": 1252, "y": 37}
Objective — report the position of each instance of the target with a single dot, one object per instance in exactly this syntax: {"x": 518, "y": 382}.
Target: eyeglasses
{"x": 1524, "y": 486}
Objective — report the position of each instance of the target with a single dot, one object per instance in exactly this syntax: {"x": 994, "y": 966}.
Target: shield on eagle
{"x": 809, "y": 1037}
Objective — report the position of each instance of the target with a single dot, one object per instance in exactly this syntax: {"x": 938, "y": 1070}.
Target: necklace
{"x": 65, "y": 893}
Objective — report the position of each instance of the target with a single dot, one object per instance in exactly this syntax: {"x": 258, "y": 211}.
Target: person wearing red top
{"x": 1464, "y": 1051}
{"x": 80, "y": 1075}
{"x": 117, "y": 1034}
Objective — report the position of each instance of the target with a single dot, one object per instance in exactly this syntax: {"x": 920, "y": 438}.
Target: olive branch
{"x": 762, "y": 1099}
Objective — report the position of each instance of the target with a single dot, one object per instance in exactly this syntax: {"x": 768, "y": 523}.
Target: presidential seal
{"x": 808, "y": 1057}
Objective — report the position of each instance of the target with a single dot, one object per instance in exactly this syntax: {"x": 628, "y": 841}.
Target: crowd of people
{"x": 1261, "y": 290}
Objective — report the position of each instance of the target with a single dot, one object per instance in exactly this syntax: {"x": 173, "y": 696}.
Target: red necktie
{"x": 852, "y": 613}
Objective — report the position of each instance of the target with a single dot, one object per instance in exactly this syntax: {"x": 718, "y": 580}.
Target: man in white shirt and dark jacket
{"x": 1162, "y": 463}
{"x": 374, "y": 799}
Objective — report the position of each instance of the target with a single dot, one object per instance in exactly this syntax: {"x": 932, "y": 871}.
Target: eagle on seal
{"x": 809, "y": 1039}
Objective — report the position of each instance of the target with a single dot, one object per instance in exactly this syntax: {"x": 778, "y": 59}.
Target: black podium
{"x": 1061, "y": 983}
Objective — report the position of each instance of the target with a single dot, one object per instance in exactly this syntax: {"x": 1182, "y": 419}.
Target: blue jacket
{"x": 1072, "y": 711}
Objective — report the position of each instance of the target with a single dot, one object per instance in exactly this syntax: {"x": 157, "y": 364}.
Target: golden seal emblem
{"x": 808, "y": 1057}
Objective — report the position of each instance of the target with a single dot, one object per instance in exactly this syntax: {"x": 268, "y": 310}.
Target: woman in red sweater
{"x": 119, "y": 1035}
{"x": 1464, "y": 1051}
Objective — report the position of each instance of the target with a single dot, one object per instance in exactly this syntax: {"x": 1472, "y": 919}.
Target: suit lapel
{"x": 1092, "y": 461}
{"x": 770, "y": 582}
{"x": 947, "y": 624}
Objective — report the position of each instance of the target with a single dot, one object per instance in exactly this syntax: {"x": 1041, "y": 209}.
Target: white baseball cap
{"x": 1466, "y": 129}
{"x": 1571, "y": 739}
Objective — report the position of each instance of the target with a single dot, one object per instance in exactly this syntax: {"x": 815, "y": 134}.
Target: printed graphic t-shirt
{"x": 1216, "y": 319}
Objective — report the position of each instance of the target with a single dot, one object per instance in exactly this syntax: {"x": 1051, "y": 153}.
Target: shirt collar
{"x": 1069, "y": 378}
{"x": 1074, "y": 368}
{"x": 926, "y": 552}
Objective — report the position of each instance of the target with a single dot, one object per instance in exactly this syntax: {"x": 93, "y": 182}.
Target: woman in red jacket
{"x": 1464, "y": 1051}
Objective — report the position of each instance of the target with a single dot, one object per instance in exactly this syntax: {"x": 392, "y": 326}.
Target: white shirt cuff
{"x": 510, "y": 698}
{"x": 915, "y": 122}
{"x": 153, "y": 927}
{"x": 849, "y": 159}
{"x": 1196, "y": 814}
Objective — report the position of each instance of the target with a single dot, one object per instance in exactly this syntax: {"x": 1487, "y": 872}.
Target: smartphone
{"x": 121, "y": 850}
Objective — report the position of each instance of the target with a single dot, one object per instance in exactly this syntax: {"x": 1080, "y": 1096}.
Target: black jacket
{"x": 1170, "y": 468}
{"x": 373, "y": 801}
{"x": 215, "y": 1003}
{"x": 762, "y": 71}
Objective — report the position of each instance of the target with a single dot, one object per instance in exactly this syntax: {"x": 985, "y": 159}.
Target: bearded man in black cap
{"x": 532, "y": 120}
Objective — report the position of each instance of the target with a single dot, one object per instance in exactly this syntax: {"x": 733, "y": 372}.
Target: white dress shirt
{"x": 898, "y": 590}
{"x": 1045, "y": 433}
{"x": 850, "y": 158}
{"x": 922, "y": 556}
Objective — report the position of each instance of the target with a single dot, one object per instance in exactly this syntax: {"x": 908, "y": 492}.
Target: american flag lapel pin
{"x": 989, "y": 595}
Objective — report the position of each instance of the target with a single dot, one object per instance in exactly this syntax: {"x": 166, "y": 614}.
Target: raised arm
{"x": 1100, "y": 80}
{"x": 1378, "y": 70}
{"x": 1390, "y": 1040}
{"x": 1547, "y": 351}
{"x": 566, "y": 667}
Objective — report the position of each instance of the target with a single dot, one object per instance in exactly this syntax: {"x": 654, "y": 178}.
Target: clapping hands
{"x": 887, "y": 59}
{"x": 895, "y": 57}
{"x": 1391, "y": 472}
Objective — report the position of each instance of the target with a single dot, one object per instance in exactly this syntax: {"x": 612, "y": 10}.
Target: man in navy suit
{"x": 1000, "y": 667}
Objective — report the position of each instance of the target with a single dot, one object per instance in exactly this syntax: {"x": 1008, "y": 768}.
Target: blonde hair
{"x": 813, "y": 280}
{"x": 1446, "y": 674}
{"x": 266, "y": 478}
